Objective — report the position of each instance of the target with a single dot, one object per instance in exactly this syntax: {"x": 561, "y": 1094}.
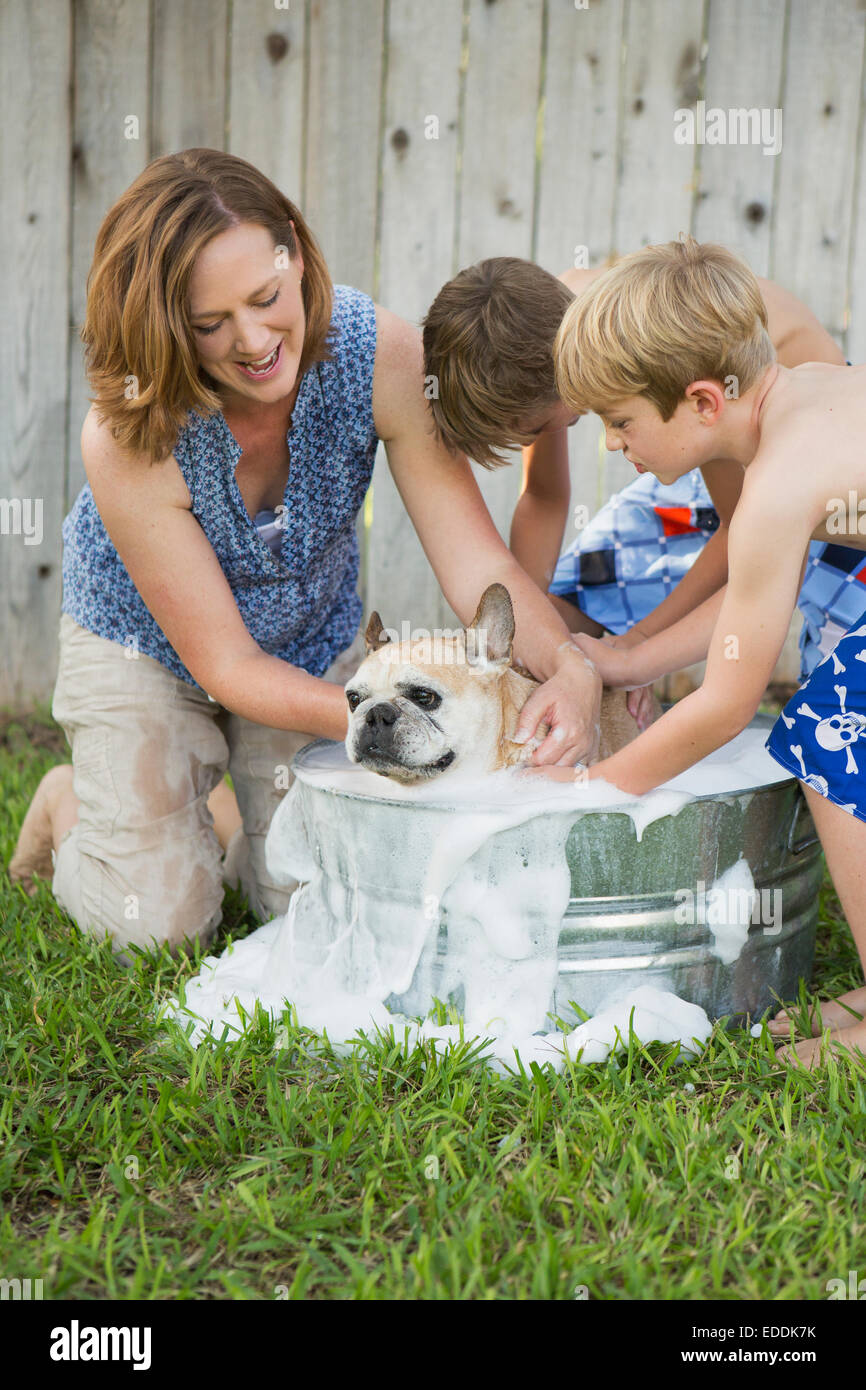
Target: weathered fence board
{"x": 112, "y": 140}
{"x": 266, "y": 114}
{"x": 342, "y": 133}
{"x": 745, "y": 46}
{"x": 418, "y": 210}
{"x": 855, "y": 318}
{"x": 578, "y": 178}
{"x": 497, "y": 169}
{"x": 34, "y": 291}
{"x": 655, "y": 184}
{"x": 813, "y": 201}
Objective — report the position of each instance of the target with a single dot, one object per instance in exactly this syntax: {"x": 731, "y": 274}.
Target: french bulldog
{"x": 420, "y": 707}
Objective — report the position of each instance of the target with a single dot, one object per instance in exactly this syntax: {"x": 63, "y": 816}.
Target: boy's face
{"x": 667, "y": 448}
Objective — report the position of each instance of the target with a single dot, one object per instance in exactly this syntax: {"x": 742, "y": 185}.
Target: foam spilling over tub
{"x": 486, "y": 857}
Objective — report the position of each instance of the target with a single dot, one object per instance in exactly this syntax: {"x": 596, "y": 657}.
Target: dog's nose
{"x": 382, "y": 716}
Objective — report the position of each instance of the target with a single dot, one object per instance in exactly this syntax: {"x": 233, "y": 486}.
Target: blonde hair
{"x": 136, "y": 323}
{"x": 488, "y": 342}
{"x": 658, "y": 320}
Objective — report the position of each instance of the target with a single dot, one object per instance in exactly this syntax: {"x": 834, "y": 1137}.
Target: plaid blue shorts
{"x": 816, "y": 737}
{"x": 637, "y": 548}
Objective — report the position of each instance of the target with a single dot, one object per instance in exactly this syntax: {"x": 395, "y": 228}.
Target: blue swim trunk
{"x": 820, "y": 736}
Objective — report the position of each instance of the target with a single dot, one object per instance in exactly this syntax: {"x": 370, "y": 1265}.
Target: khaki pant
{"x": 143, "y": 863}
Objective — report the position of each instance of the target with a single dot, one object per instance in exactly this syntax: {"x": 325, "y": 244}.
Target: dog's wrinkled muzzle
{"x": 393, "y": 742}
{"x": 376, "y": 734}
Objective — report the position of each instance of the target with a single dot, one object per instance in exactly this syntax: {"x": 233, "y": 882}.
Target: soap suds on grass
{"x": 653, "y": 1015}
{"x": 342, "y": 951}
{"x": 656, "y": 1016}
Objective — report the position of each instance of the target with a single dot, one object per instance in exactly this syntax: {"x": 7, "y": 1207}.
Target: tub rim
{"x": 760, "y": 720}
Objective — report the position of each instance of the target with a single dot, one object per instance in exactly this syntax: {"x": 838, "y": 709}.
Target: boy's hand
{"x": 579, "y": 775}
{"x": 570, "y": 702}
{"x": 640, "y": 703}
{"x": 624, "y": 641}
{"x": 618, "y": 668}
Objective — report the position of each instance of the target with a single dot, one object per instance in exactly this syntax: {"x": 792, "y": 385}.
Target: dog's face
{"x": 418, "y": 708}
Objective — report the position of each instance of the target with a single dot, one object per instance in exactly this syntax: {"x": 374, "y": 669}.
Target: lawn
{"x": 133, "y": 1167}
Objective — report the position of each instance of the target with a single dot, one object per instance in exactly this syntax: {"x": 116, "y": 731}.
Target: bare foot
{"x": 834, "y": 1014}
{"x": 814, "y": 1051}
{"x": 35, "y": 841}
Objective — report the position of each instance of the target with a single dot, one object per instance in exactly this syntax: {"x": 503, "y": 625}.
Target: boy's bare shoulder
{"x": 808, "y": 453}
{"x": 785, "y": 478}
{"x": 811, "y": 399}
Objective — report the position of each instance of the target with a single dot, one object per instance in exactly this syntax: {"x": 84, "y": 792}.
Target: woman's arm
{"x": 146, "y": 512}
{"x": 467, "y": 553}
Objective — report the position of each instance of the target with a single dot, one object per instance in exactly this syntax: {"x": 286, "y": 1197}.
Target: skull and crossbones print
{"x": 836, "y": 732}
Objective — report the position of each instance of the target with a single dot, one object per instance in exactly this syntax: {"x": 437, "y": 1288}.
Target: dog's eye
{"x": 353, "y": 698}
{"x": 427, "y": 699}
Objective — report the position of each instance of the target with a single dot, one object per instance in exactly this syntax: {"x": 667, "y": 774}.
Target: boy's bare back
{"x": 811, "y": 451}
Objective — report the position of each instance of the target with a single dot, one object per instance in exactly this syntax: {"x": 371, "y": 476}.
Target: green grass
{"x": 132, "y": 1166}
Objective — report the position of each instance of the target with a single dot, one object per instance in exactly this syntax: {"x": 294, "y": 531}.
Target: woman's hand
{"x": 570, "y": 703}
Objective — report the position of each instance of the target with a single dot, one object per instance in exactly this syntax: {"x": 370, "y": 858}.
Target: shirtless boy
{"x": 649, "y": 347}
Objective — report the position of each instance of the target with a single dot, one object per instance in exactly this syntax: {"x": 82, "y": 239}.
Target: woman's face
{"x": 244, "y": 308}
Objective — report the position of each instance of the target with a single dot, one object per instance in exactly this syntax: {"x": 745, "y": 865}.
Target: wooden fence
{"x": 555, "y": 132}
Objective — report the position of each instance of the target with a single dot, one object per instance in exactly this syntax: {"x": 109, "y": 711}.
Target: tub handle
{"x": 807, "y": 840}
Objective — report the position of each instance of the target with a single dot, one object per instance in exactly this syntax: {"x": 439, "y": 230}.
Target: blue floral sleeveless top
{"x": 298, "y": 598}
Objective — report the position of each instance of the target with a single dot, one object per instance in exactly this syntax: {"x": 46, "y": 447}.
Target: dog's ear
{"x": 495, "y": 618}
{"x": 375, "y": 636}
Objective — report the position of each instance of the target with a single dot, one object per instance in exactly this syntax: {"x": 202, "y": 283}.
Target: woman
{"x": 210, "y": 614}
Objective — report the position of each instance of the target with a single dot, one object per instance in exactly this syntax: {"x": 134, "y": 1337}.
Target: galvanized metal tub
{"x": 623, "y": 925}
{"x": 615, "y": 941}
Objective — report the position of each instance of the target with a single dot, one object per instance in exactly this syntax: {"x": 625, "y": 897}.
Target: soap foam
{"x": 727, "y": 910}
{"x": 495, "y": 876}
{"x": 656, "y": 1016}
{"x": 743, "y": 764}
